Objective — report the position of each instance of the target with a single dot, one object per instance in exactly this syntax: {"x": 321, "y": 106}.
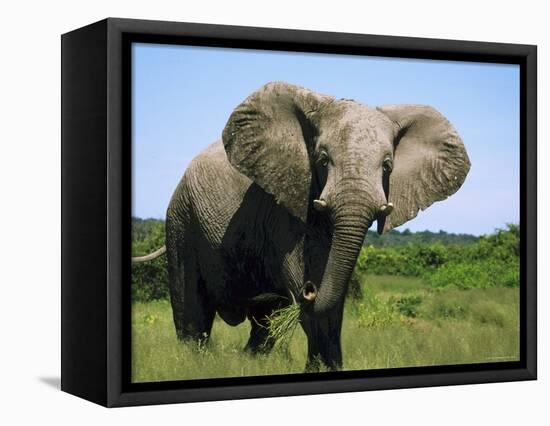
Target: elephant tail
{"x": 150, "y": 256}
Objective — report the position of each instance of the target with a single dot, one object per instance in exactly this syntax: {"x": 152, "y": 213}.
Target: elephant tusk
{"x": 320, "y": 205}
{"x": 386, "y": 209}
{"x": 150, "y": 256}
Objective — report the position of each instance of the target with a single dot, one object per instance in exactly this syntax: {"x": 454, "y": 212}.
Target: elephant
{"x": 276, "y": 212}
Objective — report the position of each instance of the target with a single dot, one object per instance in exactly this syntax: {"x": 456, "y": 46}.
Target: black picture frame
{"x": 96, "y": 173}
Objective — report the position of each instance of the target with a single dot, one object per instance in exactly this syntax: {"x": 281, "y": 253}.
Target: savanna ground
{"x": 397, "y": 321}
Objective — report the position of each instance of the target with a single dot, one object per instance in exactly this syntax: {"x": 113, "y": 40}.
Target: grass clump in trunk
{"x": 282, "y": 323}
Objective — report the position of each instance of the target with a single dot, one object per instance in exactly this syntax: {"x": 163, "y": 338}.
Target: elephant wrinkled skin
{"x": 276, "y": 212}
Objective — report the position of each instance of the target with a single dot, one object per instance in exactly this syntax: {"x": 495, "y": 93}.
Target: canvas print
{"x": 300, "y": 212}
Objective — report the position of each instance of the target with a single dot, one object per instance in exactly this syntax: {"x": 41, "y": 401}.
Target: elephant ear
{"x": 268, "y": 138}
{"x": 430, "y": 161}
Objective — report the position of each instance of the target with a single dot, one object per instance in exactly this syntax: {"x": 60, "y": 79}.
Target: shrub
{"x": 409, "y": 305}
{"x": 373, "y": 312}
{"x": 502, "y": 245}
{"x": 429, "y": 257}
{"x": 388, "y": 261}
{"x": 149, "y": 279}
{"x": 476, "y": 274}
{"x": 493, "y": 261}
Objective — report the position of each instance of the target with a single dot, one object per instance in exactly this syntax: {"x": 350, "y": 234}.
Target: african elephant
{"x": 277, "y": 211}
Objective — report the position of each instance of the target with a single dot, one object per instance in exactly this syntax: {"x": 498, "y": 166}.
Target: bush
{"x": 502, "y": 245}
{"x": 411, "y": 260}
{"x": 149, "y": 279}
{"x": 373, "y": 312}
{"x": 409, "y": 305}
{"x": 388, "y": 261}
{"x": 493, "y": 261}
{"x": 477, "y": 274}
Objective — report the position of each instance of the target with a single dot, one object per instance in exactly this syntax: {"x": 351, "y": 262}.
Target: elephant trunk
{"x": 351, "y": 223}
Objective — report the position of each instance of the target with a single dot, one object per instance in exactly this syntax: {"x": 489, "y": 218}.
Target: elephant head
{"x": 345, "y": 160}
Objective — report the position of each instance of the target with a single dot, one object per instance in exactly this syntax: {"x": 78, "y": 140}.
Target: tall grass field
{"x": 399, "y": 322}
{"x": 412, "y": 304}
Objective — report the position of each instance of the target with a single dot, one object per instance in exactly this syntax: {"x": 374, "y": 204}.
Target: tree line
{"x": 442, "y": 259}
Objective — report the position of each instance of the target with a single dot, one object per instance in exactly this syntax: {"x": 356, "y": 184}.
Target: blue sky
{"x": 183, "y": 96}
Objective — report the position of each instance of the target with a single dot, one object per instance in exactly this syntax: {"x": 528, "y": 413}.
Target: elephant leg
{"x": 324, "y": 341}
{"x": 192, "y": 311}
{"x": 260, "y": 341}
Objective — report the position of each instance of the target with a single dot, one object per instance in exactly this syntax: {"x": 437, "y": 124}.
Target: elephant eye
{"x": 323, "y": 158}
{"x": 387, "y": 166}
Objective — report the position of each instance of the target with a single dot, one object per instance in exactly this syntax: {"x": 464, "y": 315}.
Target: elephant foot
{"x": 263, "y": 348}
{"x": 259, "y": 342}
{"x": 198, "y": 341}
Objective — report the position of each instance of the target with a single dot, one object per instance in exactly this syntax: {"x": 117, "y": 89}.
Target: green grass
{"x": 399, "y": 322}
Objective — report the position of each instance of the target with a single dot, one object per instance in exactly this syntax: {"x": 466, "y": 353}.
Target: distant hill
{"x": 402, "y": 238}
{"x": 143, "y": 228}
